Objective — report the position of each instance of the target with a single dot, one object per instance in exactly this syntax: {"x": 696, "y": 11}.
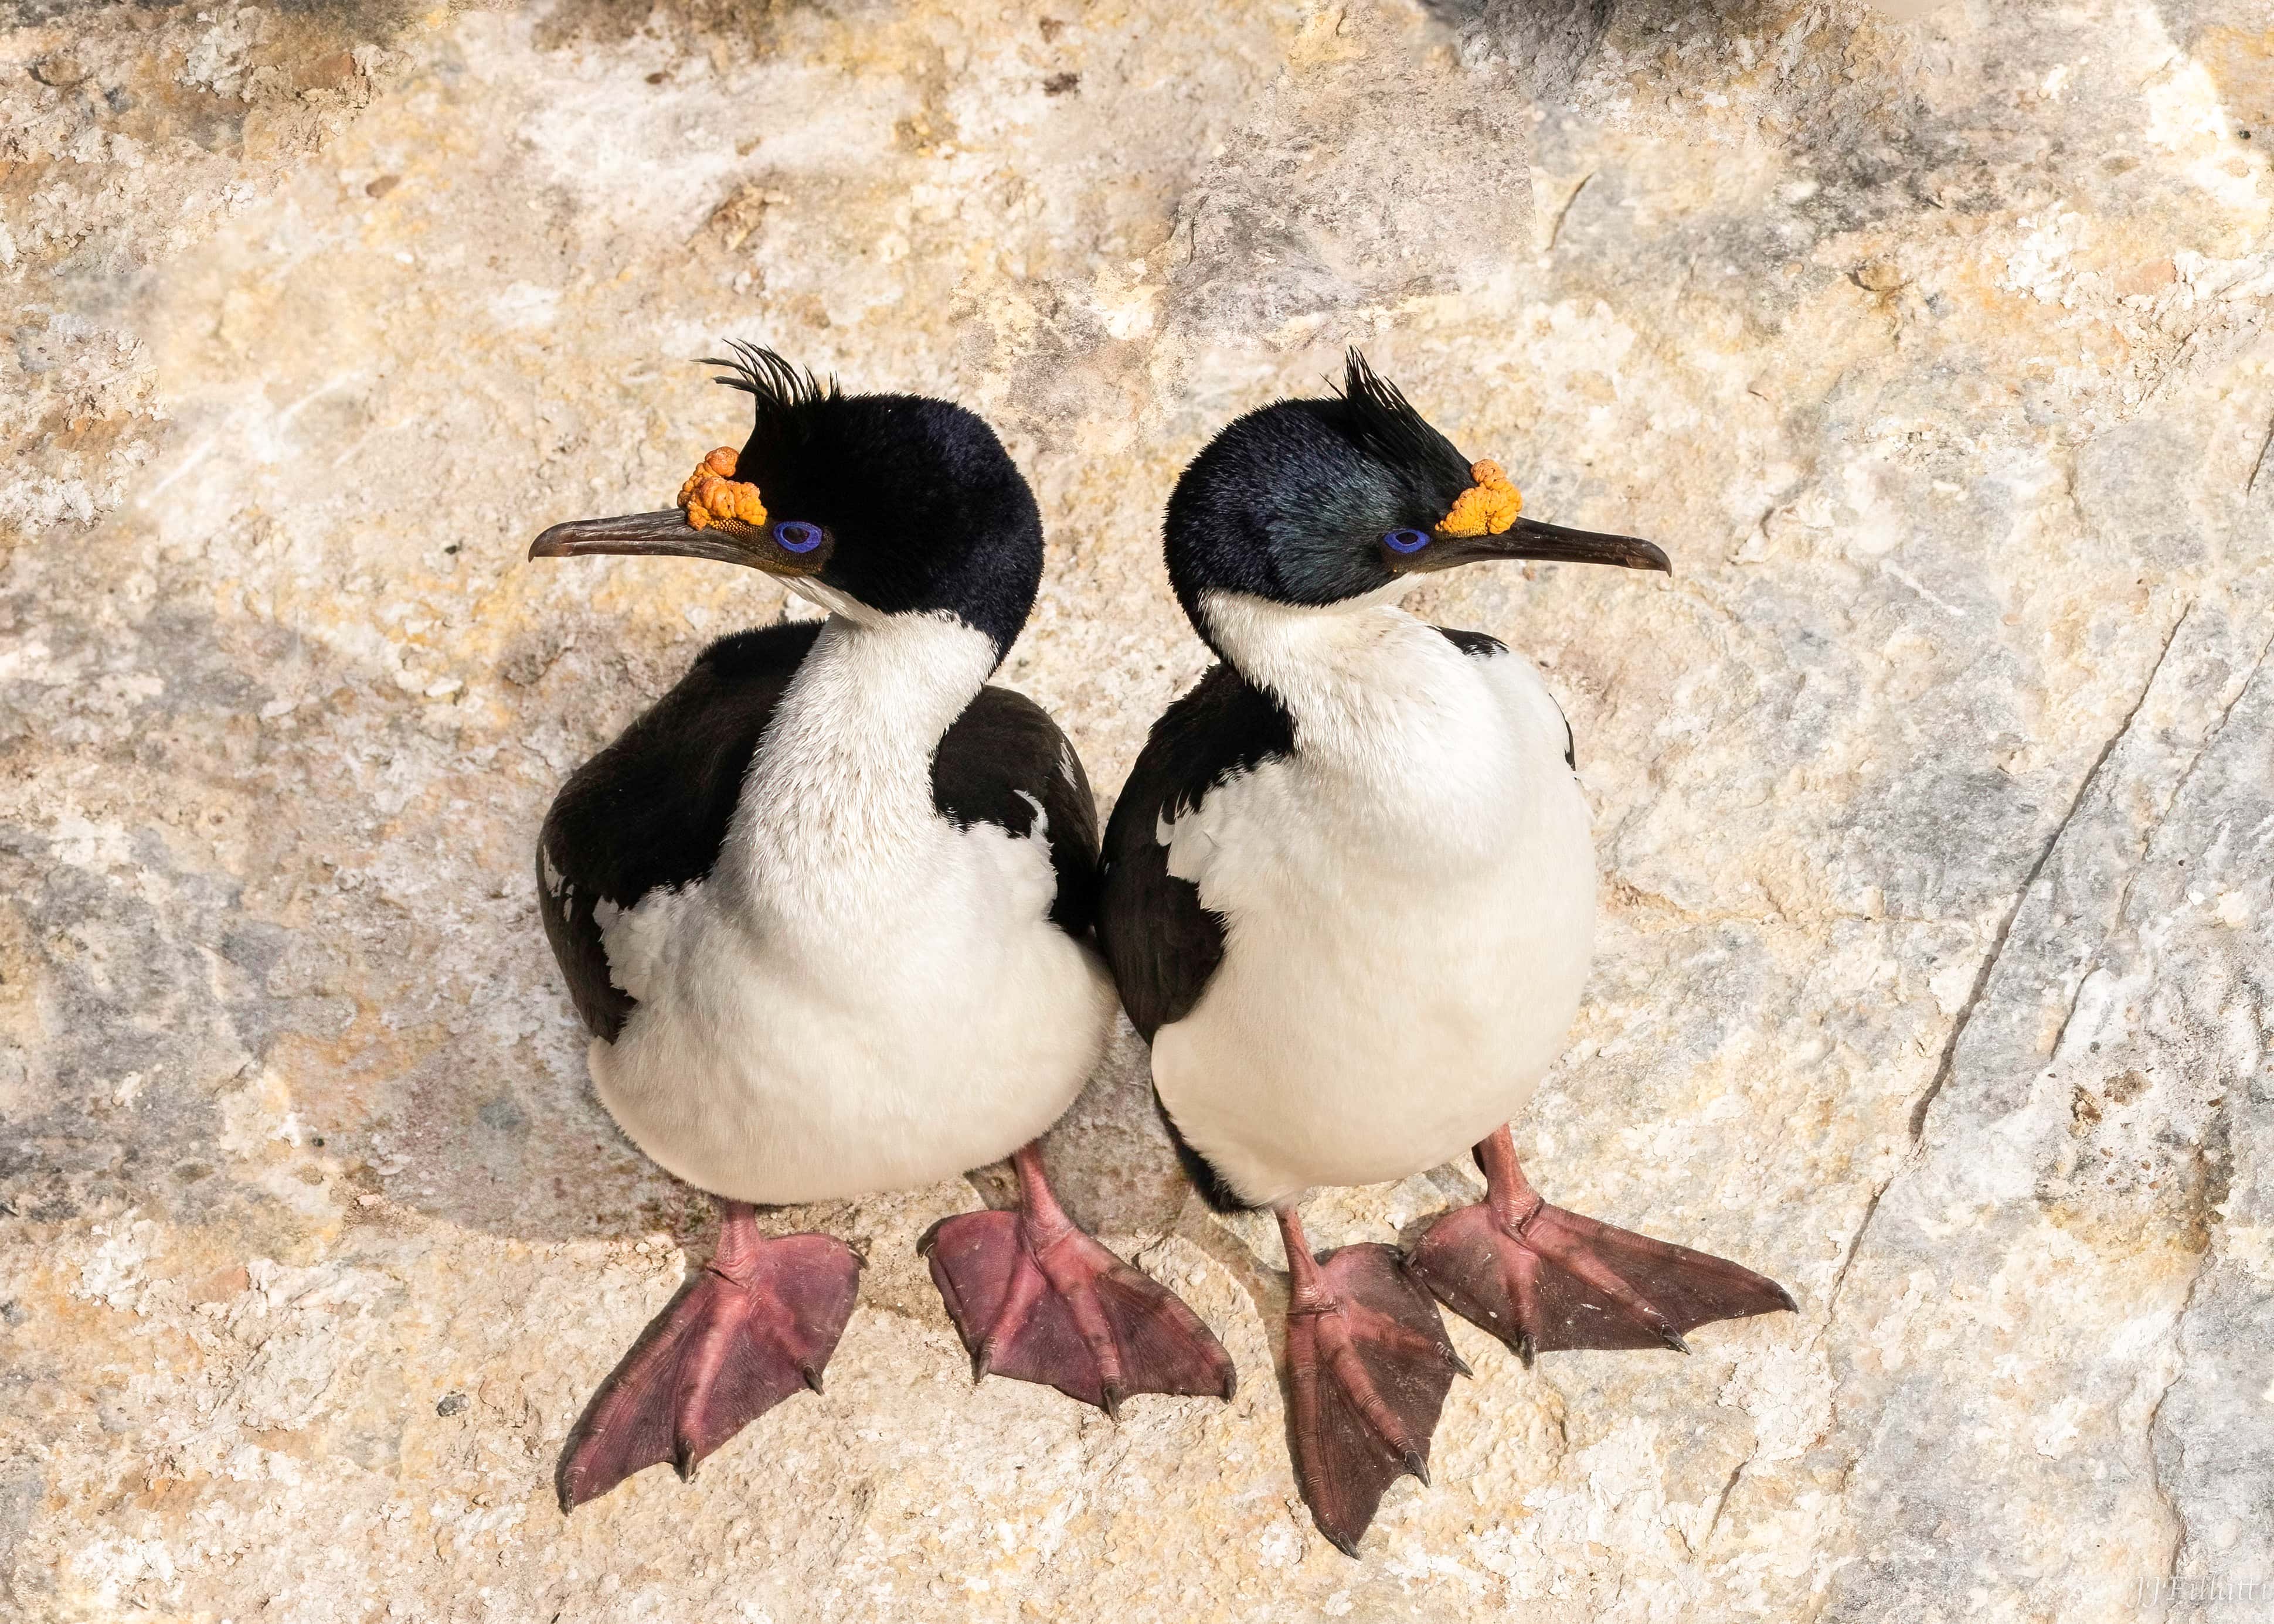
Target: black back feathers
{"x": 1006, "y": 762}
{"x": 1161, "y": 943}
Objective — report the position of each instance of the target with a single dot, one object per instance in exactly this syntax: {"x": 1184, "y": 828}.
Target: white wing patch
{"x": 635, "y": 938}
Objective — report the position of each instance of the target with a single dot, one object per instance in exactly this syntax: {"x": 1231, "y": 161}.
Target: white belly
{"x": 1402, "y": 961}
{"x": 932, "y": 1026}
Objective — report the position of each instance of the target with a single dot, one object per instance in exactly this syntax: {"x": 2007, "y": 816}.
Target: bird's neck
{"x": 839, "y": 791}
{"x": 1361, "y": 682}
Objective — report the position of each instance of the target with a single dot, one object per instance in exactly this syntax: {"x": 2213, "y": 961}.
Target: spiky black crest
{"x": 780, "y": 390}
{"x": 1380, "y": 420}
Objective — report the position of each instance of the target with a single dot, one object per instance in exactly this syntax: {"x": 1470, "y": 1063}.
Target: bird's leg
{"x": 1368, "y": 1365}
{"x": 1036, "y": 1298}
{"x": 1540, "y": 1278}
{"x": 757, "y": 1324}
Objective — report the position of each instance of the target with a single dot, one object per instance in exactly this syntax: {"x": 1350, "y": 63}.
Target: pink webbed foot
{"x": 757, "y": 1324}
{"x": 1368, "y": 1365}
{"x": 1540, "y": 1278}
{"x": 1035, "y": 1298}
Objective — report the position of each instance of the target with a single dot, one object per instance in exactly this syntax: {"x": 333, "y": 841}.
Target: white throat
{"x": 1361, "y": 680}
{"x": 838, "y": 796}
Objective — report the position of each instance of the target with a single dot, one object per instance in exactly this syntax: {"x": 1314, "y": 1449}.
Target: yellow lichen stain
{"x": 1486, "y": 508}
{"x": 224, "y": 1284}
{"x": 2240, "y": 63}
{"x": 1325, "y": 38}
{"x": 2149, "y": 276}
{"x": 711, "y": 493}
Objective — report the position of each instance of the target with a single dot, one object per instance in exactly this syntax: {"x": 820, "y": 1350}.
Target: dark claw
{"x": 1786, "y": 1298}
{"x": 980, "y": 1357}
{"x": 1231, "y": 1383}
{"x": 1526, "y": 1349}
{"x": 1348, "y": 1547}
{"x": 812, "y": 1375}
{"x": 1417, "y": 1467}
{"x": 1111, "y": 1401}
{"x": 1671, "y": 1338}
{"x": 1459, "y": 1364}
{"x": 683, "y": 1462}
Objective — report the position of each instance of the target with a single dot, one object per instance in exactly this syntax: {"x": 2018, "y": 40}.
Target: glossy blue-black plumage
{"x": 1289, "y": 503}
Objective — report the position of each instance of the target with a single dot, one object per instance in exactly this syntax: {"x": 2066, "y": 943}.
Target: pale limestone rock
{"x": 1932, "y": 790}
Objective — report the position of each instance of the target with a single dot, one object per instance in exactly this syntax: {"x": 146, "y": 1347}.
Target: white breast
{"x": 1409, "y": 907}
{"x": 861, "y": 996}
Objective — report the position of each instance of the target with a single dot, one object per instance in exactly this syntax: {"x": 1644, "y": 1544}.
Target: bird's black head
{"x": 870, "y": 504}
{"x": 1315, "y": 502}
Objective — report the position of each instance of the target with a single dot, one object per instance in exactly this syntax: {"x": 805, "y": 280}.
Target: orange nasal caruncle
{"x": 711, "y": 493}
{"x": 1486, "y": 508}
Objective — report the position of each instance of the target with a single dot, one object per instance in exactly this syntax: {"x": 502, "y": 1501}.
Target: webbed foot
{"x": 1541, "y": 1278}
{"x": 757, "y": 1324}
{"x": 1037, "y": 1299}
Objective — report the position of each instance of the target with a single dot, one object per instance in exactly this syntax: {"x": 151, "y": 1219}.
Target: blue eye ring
{"x": 1405, "y": 541}
{"x": 796, "y": 536}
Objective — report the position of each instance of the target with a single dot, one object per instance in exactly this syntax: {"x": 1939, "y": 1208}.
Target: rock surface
{"x": 1933, "y": 791}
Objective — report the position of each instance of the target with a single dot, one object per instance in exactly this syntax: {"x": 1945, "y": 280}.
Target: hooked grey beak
{"x": 1529, "y": 538}
{"x": 664, "y": 534}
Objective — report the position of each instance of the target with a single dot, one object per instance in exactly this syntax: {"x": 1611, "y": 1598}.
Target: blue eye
{"x": 1406, "y": 541}
{"x": 796, "y": 536}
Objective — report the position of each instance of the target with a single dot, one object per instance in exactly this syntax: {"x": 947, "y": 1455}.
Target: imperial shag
{"x": 826, "y": 909}
{"x": 1349, "y": 897}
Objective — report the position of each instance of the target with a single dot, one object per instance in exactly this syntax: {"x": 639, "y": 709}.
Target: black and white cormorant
{"x": 1349, "y": 897}
{"x": 826, "y": 909}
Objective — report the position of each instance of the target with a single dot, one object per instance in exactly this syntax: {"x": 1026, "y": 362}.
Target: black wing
{"x": 1163, "y": 945}
{"x": 1478, "y": 645}
{"x": 652, "y": 809}
{"x": 1002, "y": 758}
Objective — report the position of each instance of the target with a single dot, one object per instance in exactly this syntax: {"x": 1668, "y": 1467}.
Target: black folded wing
{"x": 1163, "y": 944}
{"x": 1005, "y": 761}
{"x": 651, "y": 811}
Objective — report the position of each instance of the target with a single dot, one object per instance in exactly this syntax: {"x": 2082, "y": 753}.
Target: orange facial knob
{"x": 711, "y": 493}
{"x": 1486, "y": 508}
